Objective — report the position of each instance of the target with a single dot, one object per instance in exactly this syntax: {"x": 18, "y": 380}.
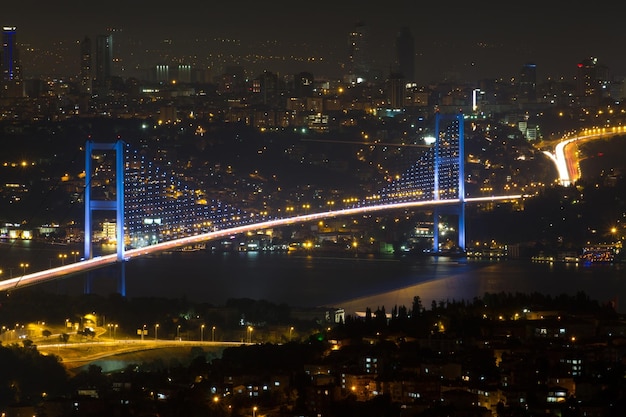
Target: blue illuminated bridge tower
{"x": 437, "y": 176}
{"x": 106, "y": 201}
{"x": 154, "y": 202}
{"x": 449, "y": 173}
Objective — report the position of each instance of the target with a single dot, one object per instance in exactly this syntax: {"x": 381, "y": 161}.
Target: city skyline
{"x": 465, "y": 41}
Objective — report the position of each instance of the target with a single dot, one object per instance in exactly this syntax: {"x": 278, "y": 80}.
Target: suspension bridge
{"x": 154, "y": 213}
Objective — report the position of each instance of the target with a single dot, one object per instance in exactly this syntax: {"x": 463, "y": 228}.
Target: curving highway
{"x": 565, "y": 159}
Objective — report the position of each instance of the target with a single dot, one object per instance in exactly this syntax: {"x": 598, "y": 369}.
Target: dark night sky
{"x": 477, "y": 40}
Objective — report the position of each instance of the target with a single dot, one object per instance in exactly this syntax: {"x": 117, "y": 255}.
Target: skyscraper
{"x": 405, "y": 54}
{"x": 104, "y": 61}
{"x": 528, "y": 83}
{"x": 396, "y": 89}
{"x": 86, "y": 76}
{"x": 592, "y": 80}
{"x": 12, "y": 85}
{"x": 358, "y": 63}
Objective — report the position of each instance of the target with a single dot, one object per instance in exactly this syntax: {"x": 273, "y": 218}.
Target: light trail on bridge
{"x": 389, "y": 144}
{"x": 106, "y": 260}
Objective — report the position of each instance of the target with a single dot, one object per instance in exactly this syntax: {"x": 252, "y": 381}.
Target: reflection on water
{"x": 352, "y": 283}
{"x": 603, "y": 283}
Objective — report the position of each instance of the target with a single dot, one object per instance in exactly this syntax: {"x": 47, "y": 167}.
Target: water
{"x": 350, "y": 282}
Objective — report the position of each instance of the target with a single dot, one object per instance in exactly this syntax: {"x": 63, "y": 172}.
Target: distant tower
{"x": 396, "y": 90}
{"x": 12, "y": 85}
{"x": 592, "y": 81}
{"x": 528, "y": 83}
{"x": 104, "y": 62}
{"x": 405, "y": 54}
{"x": 358, "y": 64}
{"x": 86, "y": 77}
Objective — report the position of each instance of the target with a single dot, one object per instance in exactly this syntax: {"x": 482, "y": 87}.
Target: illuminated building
{"x": 10, "y": 63}
{"x": 86, "y": 76}
{"x": 12, "y": 85}
{"x": 592, "y": 80}
{"x": 528, "y": 83}
{"x": 358, "y": 69}
{"x": 104, "y": 62}
{"x": 396, "y": 91}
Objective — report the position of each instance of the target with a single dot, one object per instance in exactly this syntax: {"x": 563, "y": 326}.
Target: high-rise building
{"x": 592, "y": 81}
{"x": 528, "y": 83}
{"x": 358, "y": 62}
{"x": 405, "y": 54}
{"x": 266, "y": 85}
{"x": 10, "y": 62}
{"x": 12, "y": 85}
{"x": 86, "y": 76}
{"x": 396, "y": 92}
{"x": 104, "y": 62}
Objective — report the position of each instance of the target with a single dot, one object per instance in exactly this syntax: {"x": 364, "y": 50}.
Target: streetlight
{"x": 75, "y": 253}
{"x": 24, "y": 266}
{"x": 202, "y": 333}
{"x": 213, "y": 334}
{"x": 156, "y": 331}
{"x": 249, "y": 334}
{"x": 290, "y": 331}
{"x": 143, "y": 330}
{"x": 254, "y": 411}
{"x": 62, "y": 257}
{"x": 178, "y": 332}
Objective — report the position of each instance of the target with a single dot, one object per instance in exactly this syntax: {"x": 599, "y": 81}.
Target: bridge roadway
{"x": 106, "y": 260}
{"x": 565, "y": 163}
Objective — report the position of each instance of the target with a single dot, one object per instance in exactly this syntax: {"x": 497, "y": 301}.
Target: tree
{"x": 416, "y": 308}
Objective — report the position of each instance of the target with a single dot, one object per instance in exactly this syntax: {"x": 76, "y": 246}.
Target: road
{"x": 77, "y": 354}
{"x": 565, "y": 156}
{"x": 106, "y": 260}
